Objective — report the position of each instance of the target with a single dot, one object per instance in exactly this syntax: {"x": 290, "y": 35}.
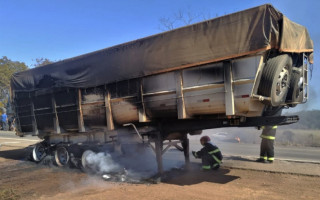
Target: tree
{"x": 42, "y": 61}
{"x": 182, "y": 18}
{"x": 7, "y": 68}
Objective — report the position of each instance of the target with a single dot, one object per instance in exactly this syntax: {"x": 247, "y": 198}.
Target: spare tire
{"x": 295, "y": 93}
{"x": 275, "y": 79}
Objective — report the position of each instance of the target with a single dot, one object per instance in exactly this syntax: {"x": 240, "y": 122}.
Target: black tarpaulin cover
{"x": 238, "y": 34}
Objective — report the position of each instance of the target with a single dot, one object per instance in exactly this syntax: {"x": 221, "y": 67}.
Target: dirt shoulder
{"x": 238, "y": 178}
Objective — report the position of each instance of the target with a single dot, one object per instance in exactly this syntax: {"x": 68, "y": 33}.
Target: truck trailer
{"x": 237, "y": 70}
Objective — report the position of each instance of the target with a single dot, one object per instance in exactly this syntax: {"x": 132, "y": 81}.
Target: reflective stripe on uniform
{"x": 268, "y": 137}
{"x": 216, "y": 159}
{"x": 216, "y": 164}
{"x": 274, "y": 127}
{"x": 214, "y": 151}
{"x": 263, "y": 157}
{"x": 206, "y": 167}
{"x": 271, "y": 159}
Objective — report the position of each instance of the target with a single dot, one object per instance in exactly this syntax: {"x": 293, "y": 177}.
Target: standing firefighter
{"x": 210, "y": 154}
{"x": 267, "y": 144}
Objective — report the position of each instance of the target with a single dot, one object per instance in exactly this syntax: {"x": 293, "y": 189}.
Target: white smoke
{"x": 137, "y": 163}
{"x": 102, "y": 162}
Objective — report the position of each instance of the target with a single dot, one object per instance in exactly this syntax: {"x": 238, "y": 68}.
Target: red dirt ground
{"x": 21, "y": 179}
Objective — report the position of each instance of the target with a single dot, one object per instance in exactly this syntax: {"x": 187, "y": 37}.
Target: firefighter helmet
{"x": 204, "y": 139}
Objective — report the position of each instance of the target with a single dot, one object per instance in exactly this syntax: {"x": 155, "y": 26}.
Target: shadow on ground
{"x": 16, "y": 154}
{"x": 238, "y": 158}
{"x": 195, "y": 175}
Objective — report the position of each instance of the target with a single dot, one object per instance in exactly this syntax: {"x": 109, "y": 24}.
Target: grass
{"x": 298, "y": 137}
{"x": 8, "y": 194}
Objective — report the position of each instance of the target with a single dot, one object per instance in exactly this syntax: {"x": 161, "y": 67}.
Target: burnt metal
{"x": 201, "y": 124}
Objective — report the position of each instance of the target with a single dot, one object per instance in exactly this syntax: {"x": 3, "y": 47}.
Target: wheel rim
{"x": 61, "y": 156}
{"x": 38, "y": 152}
{"x": 84, "y": 162}
{"x": 300, "y": 88}
{"x": 282, "y": 82}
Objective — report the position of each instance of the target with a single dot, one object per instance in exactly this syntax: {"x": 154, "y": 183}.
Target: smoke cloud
{"x": 101, "y": 162}
{"x": 136, "y": 162}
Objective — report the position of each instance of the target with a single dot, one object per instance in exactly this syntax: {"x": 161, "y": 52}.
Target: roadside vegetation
{"x": 9, "y": 194}
{"x": 304, "y": 133}
{"x": 7, "y": 68}
{"x": 286, "y": 137}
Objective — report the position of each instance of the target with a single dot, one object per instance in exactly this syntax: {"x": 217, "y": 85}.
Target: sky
{"x": 60, "y": 29}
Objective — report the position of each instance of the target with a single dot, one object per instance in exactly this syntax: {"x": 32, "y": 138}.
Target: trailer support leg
{"x": 185, "y": 145}
{"x": 158, "y": 150}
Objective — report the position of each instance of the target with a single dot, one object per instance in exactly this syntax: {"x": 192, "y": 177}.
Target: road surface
{"x": 8, "y": 138}
{"x": 306, "y": 154}
{"x": 238, "y": 178}
{"x": 309, "y": 154}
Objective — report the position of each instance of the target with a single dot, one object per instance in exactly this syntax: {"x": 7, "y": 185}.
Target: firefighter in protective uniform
{"x": 267, "y": 144}
{"x": 210, "y": 154}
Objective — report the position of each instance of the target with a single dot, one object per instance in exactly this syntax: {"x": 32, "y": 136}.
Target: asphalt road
{"x": 308, "y": 154}
{"x": 9, "y": 138}
{"x": 228, "y": 148}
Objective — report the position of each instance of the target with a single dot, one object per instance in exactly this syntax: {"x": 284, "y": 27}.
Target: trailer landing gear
{"x": 159, "y": 150}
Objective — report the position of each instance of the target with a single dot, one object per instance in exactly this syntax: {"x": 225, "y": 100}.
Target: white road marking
{"x": 10, "y": 143}
{"x": 3, "y": 138}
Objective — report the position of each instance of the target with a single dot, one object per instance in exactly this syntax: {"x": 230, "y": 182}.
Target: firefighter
{"x": 210, "y": 154}
{"x": 267, "y": 144}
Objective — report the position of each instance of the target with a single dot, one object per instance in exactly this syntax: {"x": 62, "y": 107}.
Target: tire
{"x": 61, "y": 156}
{"x": 295, "y": 93}
{"x": 275, "y": 79}
{"x": 38, "y": 152}
{"x": 87, "y": 166}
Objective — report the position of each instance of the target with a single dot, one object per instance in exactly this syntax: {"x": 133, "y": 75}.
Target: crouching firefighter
{"x": 267, "y": 144}
{"x": 210, "y": 154}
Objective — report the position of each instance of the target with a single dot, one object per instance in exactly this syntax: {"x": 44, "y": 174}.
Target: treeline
{"x": 309, "y": 119}
{"x": 9, "y": 67}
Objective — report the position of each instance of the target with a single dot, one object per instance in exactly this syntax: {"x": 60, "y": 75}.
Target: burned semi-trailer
{"x": 237, "y": 70}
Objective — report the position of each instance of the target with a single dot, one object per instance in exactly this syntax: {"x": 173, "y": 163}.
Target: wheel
{"x": 275, "y": 79}
{"x": 85, "y": 164}
{"x": 295, "y": 93}
{"x": 61, "y": 156}
{"x": 38, "y": 152}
